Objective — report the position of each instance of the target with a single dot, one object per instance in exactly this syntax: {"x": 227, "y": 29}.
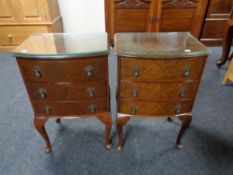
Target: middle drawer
{"x": 158, "y": 91}
{"x": 67, "y": 92}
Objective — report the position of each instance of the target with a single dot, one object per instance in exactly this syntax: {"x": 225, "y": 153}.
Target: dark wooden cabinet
{"x": 154, "y": 16}
{"x": 217, "y": 16}
{"x": 66, "y": 79}
{"x": 158, "y": 76}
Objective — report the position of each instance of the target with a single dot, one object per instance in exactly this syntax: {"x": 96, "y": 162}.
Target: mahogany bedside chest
{"x": 158, "y": 76}
{"x": 66, "y": 76}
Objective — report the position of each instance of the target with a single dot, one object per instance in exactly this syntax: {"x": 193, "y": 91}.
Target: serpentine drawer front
{"x": 158, "y": 76}
{"x": 66, "y": 76}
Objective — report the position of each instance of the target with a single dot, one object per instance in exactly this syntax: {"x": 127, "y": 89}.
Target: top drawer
{"x": 14, "y": 35}
{"x": 70, "y": 70}
{"x": 161, "y": 70}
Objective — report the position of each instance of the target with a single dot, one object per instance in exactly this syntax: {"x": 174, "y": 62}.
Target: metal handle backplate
{"x": 92, "y": 108}
{"x": 47, "y": 109}
{"x": 42, "y": 93}
{"x": 136, "y": 71}
{"x": 134, "y": 110}
{"x": 37, "y": 72}
{"x": 186, "y": 71}
{"x": 89, "y": 70}
{"x": 91, "y": 92}
{"x": 178, "y": 108}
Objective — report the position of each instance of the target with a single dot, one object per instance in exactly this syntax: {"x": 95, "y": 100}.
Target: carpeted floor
{"x": 78, "y": 145}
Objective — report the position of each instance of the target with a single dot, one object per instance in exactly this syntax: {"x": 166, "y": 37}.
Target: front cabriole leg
{"x": 185, "y": 120}
{"x": 106, "y": 119}
{"x": 120, "y": 121}
{"x": 39, "y": 123}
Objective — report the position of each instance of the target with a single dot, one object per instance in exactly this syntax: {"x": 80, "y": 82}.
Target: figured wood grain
{"x": 158, "y": 91}
{"x": 153, "y": 109}
{"x": 161, "y": 70}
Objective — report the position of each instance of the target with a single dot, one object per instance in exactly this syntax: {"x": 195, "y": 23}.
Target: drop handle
{"x": 89, "y": 70}
{"x": 186, "y": 71}
{"x": 37, "y": 72}
{"x": 47, "y": 110}
{"x": 42, "y": 93}
{"x": 134, "y": 92}
{"x": 178, "y": 108}
{"x": 136, "y": 71}
{"x": 92, "y": 108}
{"x": 182, "y": 92}
{"x": 134, "y": 110}
{"x": 91, "y": 92}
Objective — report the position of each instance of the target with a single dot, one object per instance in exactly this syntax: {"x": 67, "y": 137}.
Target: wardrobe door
{"x": 183, "y": 16}
{"x": 32, "y": 11}
{"x": 7, "y": 12}
{"x": 129, "y": 15}
{"x": 217, "y": 16}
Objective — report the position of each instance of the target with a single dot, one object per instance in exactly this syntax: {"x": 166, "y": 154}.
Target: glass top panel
{"x": 158, "y": 44}
{"x": 63, "y": 44}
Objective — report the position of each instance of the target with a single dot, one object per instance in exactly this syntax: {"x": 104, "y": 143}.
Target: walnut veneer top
{"x": 63, "y": 45}
{"x": 158, "y": 44}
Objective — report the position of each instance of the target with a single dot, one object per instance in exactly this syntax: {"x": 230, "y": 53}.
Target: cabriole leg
{"x": 185, "y": 120}
{"x": 120, "y": 121}
{"x": 39, "y": 123}
{"x": 106, "y": 119}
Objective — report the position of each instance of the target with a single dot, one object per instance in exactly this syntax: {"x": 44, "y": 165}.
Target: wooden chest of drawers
{"x": 65, "y": 86}
{"x": 158, "y": 76}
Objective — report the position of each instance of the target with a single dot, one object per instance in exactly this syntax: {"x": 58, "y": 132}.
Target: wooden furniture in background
{"x": 154, "y": 16}
{"x": 20, "y": 18}
{"x": 218, "y": 14}
{"x": 227, "y": 41}
{"x": 158, "y": 76}
{"x": 229, "y": 74}
{"x": 66, "y": 76}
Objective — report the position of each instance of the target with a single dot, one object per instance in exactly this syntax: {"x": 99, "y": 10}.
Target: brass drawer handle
{"x": 182, "y": 92}
{"x": 47, "y": 109}
{"x": 42, "y": 93}
{"x": 134, "y": 110}
{"x": 91, "y": 92}
{"x": 136, "y": 71}
{"x": 178, "y": 108}
{"x": 89, "y": 70}
{"x": 186, "y": 71}
{"x": 37, "y": 72}
{"x": 134, "y": 92}
{"x": 92, "y": 108}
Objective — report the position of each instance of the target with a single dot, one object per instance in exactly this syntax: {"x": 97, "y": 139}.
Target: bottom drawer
{"x": 164, "y": 108}
{"x": 70, "y": 108}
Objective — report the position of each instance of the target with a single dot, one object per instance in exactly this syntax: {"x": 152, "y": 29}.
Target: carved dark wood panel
{"x": 132, "y": 3}
{"x": 180, "y": 3}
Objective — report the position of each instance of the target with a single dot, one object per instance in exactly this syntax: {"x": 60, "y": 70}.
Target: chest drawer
{"x": 158, "y": 91}
{"x": 67, "y": 92}
{"x": 164, "y": 108}
{"x": 161, "y": 70}
{"x": 70, "y": 108}
{"x": 69, "y": 70}
{"x": 14, "y": 35}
